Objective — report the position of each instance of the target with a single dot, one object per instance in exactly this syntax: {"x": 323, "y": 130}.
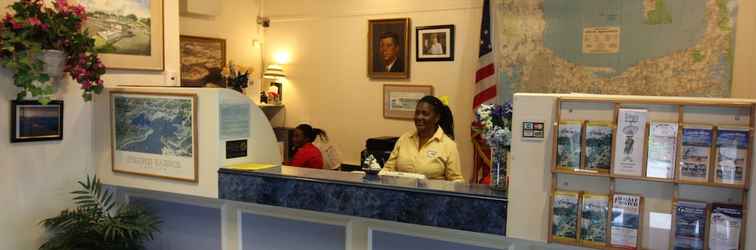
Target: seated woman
{"x": 307, "y": 155}
{"x": 430, "y": 150}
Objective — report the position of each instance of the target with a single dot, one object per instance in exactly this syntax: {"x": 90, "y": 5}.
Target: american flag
{"x": 485, "y": 78}
{"x": 485, "y": 92}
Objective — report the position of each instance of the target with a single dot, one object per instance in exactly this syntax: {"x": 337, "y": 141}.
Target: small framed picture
{"x": 389, "y": 48}
{"x": 31, "y": 121}
{"x": 399, "y": 101}
{"x": 435, "y": 43}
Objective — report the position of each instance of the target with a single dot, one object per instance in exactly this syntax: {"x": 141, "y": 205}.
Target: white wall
{"x": 328, "y": 84}
{"x": 35, "y": 178}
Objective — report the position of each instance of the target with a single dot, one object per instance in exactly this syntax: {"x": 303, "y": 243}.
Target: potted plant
{"x": 99, "y": 222}
{"x": 236, "y": 77}
{"x": 496, "y": 124}
{"x": 38, "y": 42}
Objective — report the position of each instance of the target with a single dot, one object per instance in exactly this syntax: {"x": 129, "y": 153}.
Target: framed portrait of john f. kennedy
{"x": 388, "y": 48}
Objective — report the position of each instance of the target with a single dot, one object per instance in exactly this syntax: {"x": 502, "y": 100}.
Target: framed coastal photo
{"x": 388, "y": 48}
{"x": 399, "y": 101}
{"x": 154, "y": 134}
{"x": 202, "y": 60}
{"x": 128, "y": 33}
{"x": 434, "y": 43}
{"x": 31, "y": 121}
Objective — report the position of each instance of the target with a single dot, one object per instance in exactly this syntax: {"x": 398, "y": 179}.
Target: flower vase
{"x": 499, "y": 169}
{"x": 55, "y": 61}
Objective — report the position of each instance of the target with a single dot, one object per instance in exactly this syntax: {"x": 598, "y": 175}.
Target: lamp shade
{"x": 273, "y": 72}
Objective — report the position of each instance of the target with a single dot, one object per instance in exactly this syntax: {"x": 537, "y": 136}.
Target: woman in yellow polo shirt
{"x": 430, "y": 150}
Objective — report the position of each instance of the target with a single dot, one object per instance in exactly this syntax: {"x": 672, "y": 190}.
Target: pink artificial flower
{"x": 34, "y": 21}
{"x": 44, "y": 27}
{"x": 61, "y": 5}
{"x": 80, "y": 12}
{"x": 16, "y": 25}
{"x": 8, "y": 17}
{"x": 99, "y": 82}
{"x": 86, "y": 85}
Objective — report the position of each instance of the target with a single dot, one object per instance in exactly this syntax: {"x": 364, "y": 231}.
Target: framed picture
{"x": 399, "y": 101}
{"x": 388, "y": 48}
{"x": 154, "y": 134}
{"x": 435, "y": 43}
{"x": 31, "y": 121}
{"x": 128, "y": 33}
{"x": 202, "y": 60}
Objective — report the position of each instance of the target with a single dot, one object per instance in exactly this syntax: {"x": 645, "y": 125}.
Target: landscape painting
{"x": 128, "y": 33}
{"x": 31, "y": 121}
{"x": 202, "y": 60}
{"x": 120, "y": 27}
{"x": 155, "y": 134}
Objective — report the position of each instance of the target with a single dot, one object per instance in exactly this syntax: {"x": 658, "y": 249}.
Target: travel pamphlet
{"x": 625, "y": 223}
{"x": 569, "y": 141}
{"x": 628, "y": 153}
{"x": 662, "y": 145}
{"x": 594, "y": 215}
{"x": 598, "y": 146}
{"x": 731, "y": 150}
{"x": 564, "y": 216}
{"x": 726, "y": 223}
{"x": 690, "y": 226}
{"x": 695, "y": 153}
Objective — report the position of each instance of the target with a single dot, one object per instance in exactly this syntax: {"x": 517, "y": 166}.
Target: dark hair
{"x": 311, "y": 133}
{"x": 393, "y": 37}
{"x": 446, "y": 119}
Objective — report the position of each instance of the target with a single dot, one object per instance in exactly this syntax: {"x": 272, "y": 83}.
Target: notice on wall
{"x": 601, "y": 40}
{"x": 234, "y": 117}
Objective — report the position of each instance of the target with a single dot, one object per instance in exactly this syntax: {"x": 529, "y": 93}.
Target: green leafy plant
{"x": 99, "y": 222}
{"x": 32, "y": 26}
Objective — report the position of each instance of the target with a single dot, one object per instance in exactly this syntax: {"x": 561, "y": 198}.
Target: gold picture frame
{"x": 128, "y": 34}
{"x": 399, "y": 100}
{"x": 133, "y": 148}
{"x": 389, "y": 32}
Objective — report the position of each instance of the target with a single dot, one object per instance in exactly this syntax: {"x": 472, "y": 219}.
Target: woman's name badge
{"x": 431, "y": 154}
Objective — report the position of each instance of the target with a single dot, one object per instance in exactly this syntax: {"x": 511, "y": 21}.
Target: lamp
{"x": 275, "y": 73}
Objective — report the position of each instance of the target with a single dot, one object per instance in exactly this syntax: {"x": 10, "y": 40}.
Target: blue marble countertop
{"x": 469, "y": 207}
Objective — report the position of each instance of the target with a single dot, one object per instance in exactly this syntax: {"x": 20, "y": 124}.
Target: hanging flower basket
{"x": 39, "y": 42}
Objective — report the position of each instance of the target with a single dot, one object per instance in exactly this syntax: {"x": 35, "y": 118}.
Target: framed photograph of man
{"x": 32, "y": 121}
{"x": 399, "y": 101}
{"x": 435, "y": 43}
{"x": 388, "y": 48}
{"x": 202, "y": 60}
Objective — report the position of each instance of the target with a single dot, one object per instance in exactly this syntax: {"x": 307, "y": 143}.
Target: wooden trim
{"x": 555, "y": 134}
{"x": 661, "y": 101}
{"x": 644, "y": 164}
{"x": 195, "y": 127}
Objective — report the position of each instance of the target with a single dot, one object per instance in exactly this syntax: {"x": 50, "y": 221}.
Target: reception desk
{"x": 436, "y": 203}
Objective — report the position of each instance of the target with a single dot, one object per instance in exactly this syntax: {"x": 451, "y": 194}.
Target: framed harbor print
{"x": 128, "y": 33}
{"x": 31, "y": 121}
{"x": 399, "y": 101}
{"x": 202, "y": 60}
{"x": 388, "y": 48}
{"x": 434, "y": 43}
{"x": 154, "y": 134}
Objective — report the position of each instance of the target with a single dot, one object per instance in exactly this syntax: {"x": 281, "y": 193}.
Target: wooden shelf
{"x": 648, "y": 179}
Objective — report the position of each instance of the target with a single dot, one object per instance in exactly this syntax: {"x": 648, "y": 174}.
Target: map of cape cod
{"x": 154, "y": 125}
{"x": 639, "y": 47}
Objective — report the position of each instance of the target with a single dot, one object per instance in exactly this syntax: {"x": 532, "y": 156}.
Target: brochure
{"x": 690, "y": 225}
{"x": 732, "y": 146}
{"x": 695, "y": 153}
{"x": 628, "y": 153}
{"x": 726, "y": 224}
{"x": 569, "y": 144}
{"x": 662, "y": 145}
{"x": 625, "y": 222}
{"x": 564, "y": 216}
{"x": 594, "y": 219}
{"x": 598, "y": 146}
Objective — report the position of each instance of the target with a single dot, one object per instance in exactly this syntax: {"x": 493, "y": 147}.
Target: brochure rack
{"x": 715, "y": 112}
